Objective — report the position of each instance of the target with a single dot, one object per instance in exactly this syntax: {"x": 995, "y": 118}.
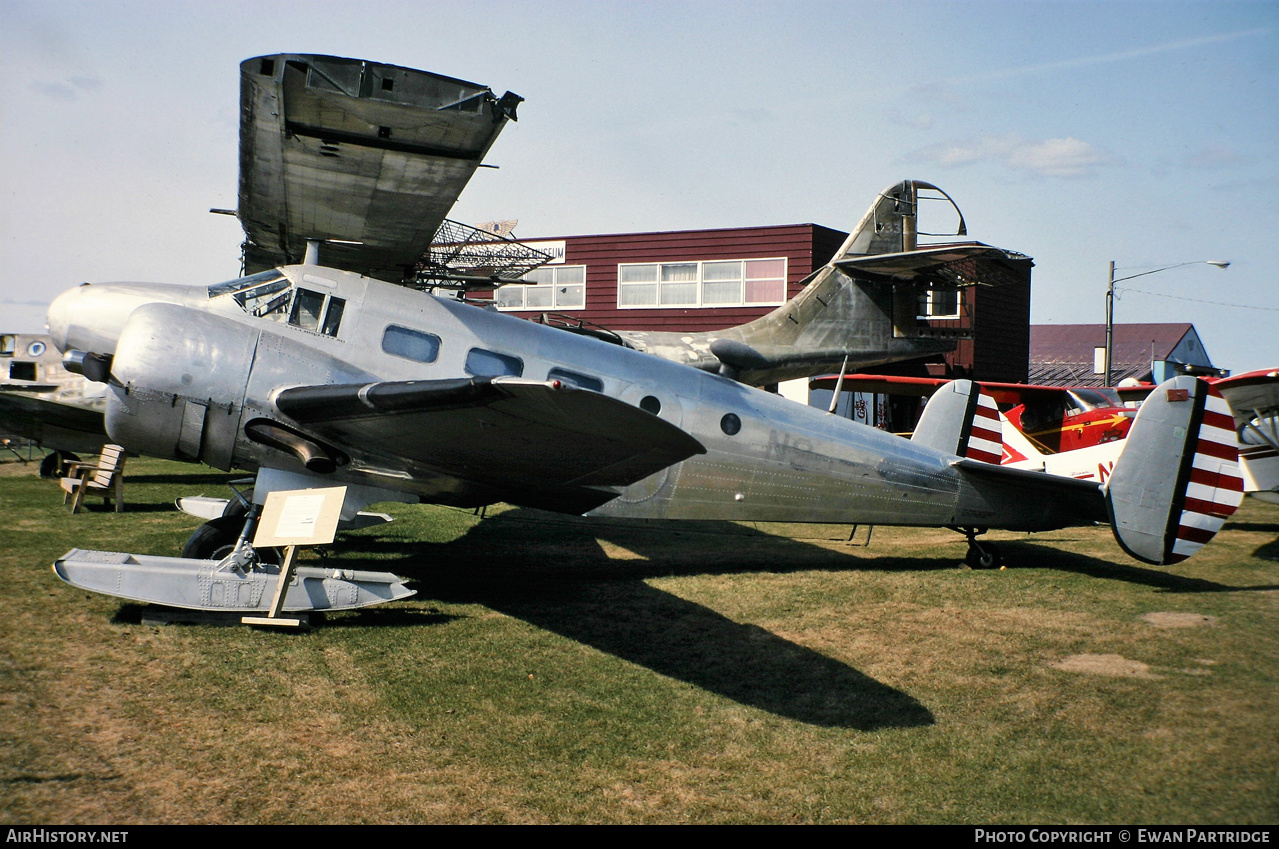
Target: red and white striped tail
{"x": 1177, "y": 479}
{"x": 1214, "y": 490}
{"x": 985, "y": 439}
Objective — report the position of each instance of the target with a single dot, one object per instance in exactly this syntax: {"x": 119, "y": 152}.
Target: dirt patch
{"x": 1115, "y": 665}
{"x": 18, "y": 469}
{"x": 1177, "y": 620}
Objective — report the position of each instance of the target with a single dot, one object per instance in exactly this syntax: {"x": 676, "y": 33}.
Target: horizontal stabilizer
{"x": 962, "y": 419}
{"x": 950, "y": 266}
{"x": 1178, "y": 479}
{"x": 205, "y": 585}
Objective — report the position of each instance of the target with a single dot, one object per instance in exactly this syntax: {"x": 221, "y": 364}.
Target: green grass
{"x": 561, "y": 670}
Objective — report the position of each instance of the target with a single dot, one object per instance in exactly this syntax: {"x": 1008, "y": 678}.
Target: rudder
{"x": 1178, "y": 478}
{"x": 962, "y": 419}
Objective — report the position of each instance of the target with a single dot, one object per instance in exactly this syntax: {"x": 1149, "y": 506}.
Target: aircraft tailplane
{"x": 1178, "y": 478}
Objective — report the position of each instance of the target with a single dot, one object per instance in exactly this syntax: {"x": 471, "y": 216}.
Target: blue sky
{"x": 1079, "y": 133}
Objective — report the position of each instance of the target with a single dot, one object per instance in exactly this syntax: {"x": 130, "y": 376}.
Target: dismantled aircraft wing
{"x": 366, "y": 157}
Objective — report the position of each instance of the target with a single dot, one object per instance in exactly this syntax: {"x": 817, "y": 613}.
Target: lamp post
{"x": 1110, "y": 301}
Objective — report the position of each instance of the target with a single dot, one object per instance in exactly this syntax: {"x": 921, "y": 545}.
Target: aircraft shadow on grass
{"x": 1047, "y": 557}
{"x": 565, "y": 583}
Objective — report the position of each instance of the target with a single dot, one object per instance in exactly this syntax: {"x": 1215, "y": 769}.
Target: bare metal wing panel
{"x": 351, "y": 151}
{"x": 497, "y": 431}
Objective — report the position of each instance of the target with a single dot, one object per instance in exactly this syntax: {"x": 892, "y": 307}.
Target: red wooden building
{"x": 698, "y": 280}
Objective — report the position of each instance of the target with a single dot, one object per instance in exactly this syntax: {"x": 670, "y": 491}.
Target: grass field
{"x": 561, "y": 670}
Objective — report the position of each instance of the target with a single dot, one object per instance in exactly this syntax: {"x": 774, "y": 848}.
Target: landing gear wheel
{"x": 216, "y": 539}
{"x": 51, "y": 466}
{"x": 986, "y": 557}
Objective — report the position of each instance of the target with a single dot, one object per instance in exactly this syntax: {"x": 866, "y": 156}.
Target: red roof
{"x": 1063, "y": 354}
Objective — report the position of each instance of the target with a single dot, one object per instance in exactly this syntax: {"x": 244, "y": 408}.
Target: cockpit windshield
{"x": 1083, "y": 400}
{"x": 263, "y": 295}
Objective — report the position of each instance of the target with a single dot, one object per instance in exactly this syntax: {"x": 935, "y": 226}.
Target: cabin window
{"x": 710, "y": 283}
{"x": 19, "y": 370}
{"x": 411, "y": 344}
{"x": 581, "y": 381}
{"x": 559, "y": 287}
{"x": 482, "y": 363}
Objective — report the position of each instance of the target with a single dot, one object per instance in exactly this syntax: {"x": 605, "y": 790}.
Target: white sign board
{"x": 300, "y": 517}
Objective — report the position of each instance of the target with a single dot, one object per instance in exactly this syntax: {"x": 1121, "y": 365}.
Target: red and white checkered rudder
{"x": 1178, "y": 478}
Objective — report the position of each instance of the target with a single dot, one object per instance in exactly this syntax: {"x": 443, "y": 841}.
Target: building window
{"x": 558, "y": 287}
{"x": 939, "y": 303}
{"x": 711, "y": 283}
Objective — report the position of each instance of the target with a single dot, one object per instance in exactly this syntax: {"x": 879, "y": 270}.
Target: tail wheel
{"x": 985, "y": 557}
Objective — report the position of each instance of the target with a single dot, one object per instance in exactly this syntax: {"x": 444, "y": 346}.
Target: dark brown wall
{"x": 806, "y": 246}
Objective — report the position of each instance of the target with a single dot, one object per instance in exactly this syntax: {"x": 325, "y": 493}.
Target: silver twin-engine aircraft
{"x": 316, "y": 376}
{"x": 313, "y": 375}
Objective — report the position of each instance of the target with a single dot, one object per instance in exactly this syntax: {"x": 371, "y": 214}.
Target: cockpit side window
{"x": 307, "y": 307}
{"x": 333, "y": 316}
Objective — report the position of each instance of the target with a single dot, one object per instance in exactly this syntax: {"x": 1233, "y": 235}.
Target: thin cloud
{"x": 68, "y": 89}
{"x": 1116, "y": 56}
{"x": 1068, "y": 157}
{"x": 1215, "y": 156}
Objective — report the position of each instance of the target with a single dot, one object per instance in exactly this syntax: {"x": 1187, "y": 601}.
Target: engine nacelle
{"x": 178, "y": 384}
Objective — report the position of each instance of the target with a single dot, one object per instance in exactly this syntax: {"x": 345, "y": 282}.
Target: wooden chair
{"x": 105, "y": 478}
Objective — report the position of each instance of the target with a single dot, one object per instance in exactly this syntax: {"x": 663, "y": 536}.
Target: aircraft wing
{"x": 1252, "y": 394}
{"x": 517, "y": 437}
{"x": 1004, "y": 393}
{"x": 363, "y": 153}
{"x": 952, "y": 265}
{"x": 52, "y": 420}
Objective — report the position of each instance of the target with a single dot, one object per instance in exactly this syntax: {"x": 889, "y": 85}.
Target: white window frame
{"x": 554, "y": 286}
{"x": 931, "y": 305}
{"x": 700, "y": 284}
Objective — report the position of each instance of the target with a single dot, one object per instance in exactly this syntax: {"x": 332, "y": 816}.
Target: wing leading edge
{"x": 538, "y": 443}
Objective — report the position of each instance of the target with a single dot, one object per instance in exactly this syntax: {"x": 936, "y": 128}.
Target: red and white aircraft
{"x": 1079, "y": 432}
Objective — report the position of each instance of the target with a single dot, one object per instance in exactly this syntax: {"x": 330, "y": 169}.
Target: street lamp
{"x": 1110, "y": 300}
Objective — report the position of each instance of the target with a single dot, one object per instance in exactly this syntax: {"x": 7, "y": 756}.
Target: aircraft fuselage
{"x": 193, "y": 367}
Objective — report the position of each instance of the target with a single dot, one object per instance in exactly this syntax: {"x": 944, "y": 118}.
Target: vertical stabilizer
{"x": 1178, "y": 479}
{"x": 962, "y": 419}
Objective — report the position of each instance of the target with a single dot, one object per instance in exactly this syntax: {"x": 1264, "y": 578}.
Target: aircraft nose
{"x": 60, "y": 317}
